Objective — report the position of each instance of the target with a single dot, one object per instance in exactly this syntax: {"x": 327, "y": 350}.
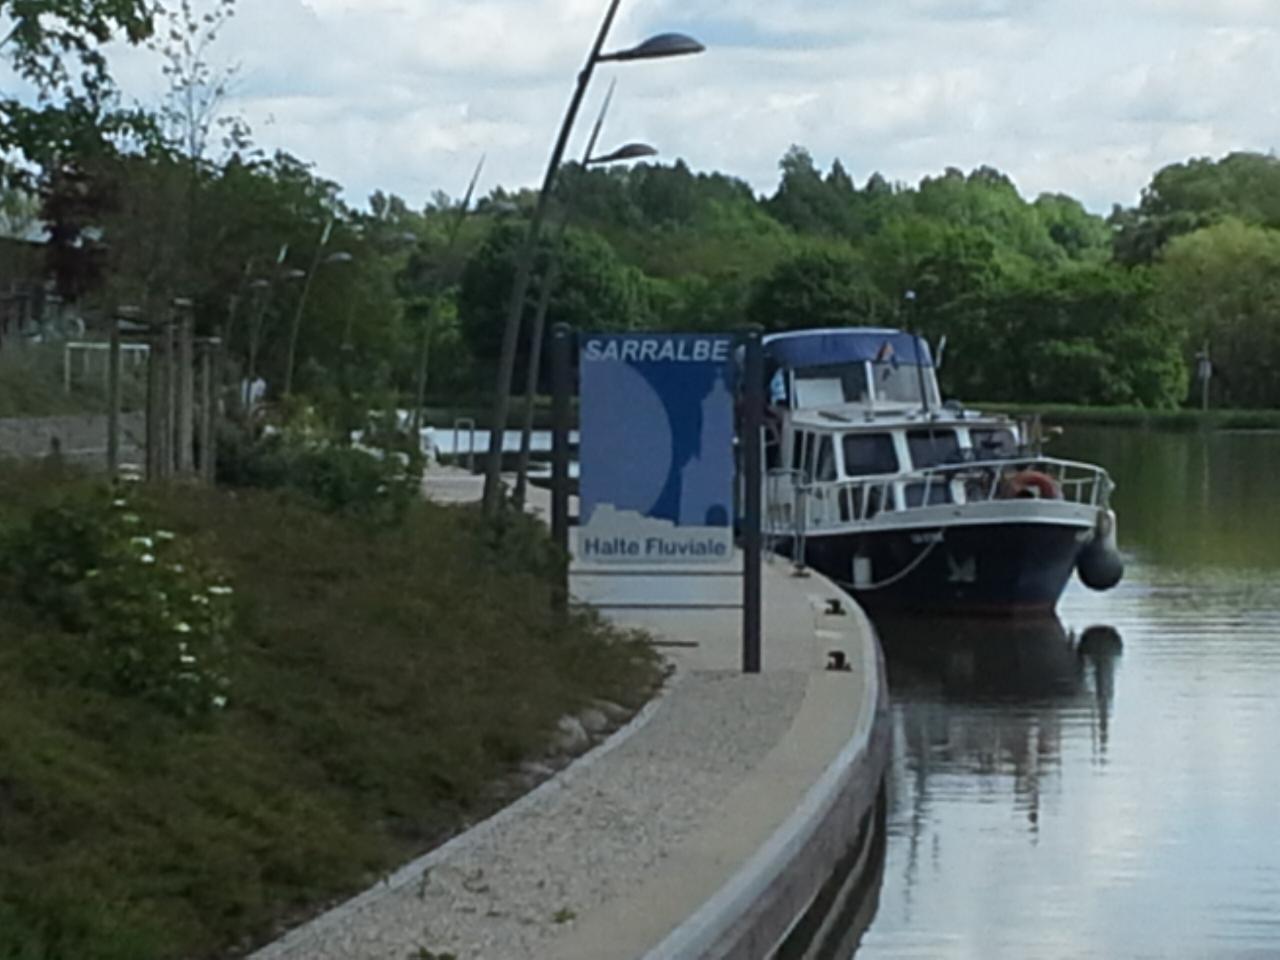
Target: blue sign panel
{"x": 656, "y": 449}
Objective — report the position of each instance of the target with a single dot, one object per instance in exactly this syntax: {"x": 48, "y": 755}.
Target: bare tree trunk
{"x": 155, "y": 411}
{"x": 169, "y": 418}
{"x": 113, "y": 400}
{"x": 208, "y": 399}
{"x": 186, "y": 373}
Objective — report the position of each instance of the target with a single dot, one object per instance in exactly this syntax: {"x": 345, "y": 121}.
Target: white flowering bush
{"x": 155, "y": 619}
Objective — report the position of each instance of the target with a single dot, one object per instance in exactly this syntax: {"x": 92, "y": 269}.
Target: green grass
{"x": 1137, "y": 416}
{"x": 31, "y": 384}
{"x": 382, "y": 685}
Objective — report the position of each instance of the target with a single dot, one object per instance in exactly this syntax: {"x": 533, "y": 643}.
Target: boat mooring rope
{"x": 905, "y": 571}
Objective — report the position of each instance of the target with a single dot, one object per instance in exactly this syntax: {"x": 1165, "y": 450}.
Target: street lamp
{"x": 660, "y": 46}
{"x": 302, "y": 303}
{"x": 433, "y": 311}
{"x": 655, "y": 48}
{"x": 629, "y": 151}
{"x": 264, "y": 287}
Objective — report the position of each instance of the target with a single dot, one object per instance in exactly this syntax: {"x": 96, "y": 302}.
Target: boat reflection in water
{"x": 994, "y": 660}
{"x": 979, "y": 706}
{"x": 992, "y": 698}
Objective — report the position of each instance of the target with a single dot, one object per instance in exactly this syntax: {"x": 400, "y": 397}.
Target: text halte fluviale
{"x": 640, "y": 547}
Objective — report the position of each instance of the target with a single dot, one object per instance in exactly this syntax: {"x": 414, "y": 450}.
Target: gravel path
{"x": 593, "y": 834}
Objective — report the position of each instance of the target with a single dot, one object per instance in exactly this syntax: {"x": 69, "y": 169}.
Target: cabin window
{"x": 991, "y": 443}
{"x": 797, "y": 450}
{"x": 868, "y": 454}
{"x": 939, "y": 492}
{"x": 932, "y": 447}
{"x": 825, "y": 468}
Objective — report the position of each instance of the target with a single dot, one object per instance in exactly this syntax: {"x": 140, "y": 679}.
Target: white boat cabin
{"x": 857, "y": 426}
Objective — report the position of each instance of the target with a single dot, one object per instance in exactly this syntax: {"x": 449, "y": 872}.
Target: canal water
{"x": 1106, "y": 784}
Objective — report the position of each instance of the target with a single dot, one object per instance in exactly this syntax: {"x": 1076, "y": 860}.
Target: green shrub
{"x": 374, "y": 483}
{"x": 154, "y": 618}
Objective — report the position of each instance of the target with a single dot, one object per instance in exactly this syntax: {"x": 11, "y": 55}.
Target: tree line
{"x": 1040, "y": 300}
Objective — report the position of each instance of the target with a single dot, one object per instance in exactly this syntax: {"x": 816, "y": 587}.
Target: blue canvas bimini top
{"x": 824, "y": 348}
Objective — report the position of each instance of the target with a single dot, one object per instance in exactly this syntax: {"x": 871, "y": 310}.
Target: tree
{"x": 1223, "y": 284}
{"x": 808, "y": 203}
{"x": 596, "y": 291}
{"x": 1185, "y": 197}
{"x": 1090, "y": 335}
{"x": 58, "y": 46}
{"x": 818, "y": 288}
{"x": 1080, "y": 234}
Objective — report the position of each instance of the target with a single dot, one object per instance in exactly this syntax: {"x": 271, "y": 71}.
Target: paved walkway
{"x": 652, "y": 843}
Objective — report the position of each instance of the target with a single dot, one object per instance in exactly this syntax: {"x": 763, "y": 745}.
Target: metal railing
{"x": 795, "y": 506}
{"x": 467, "y": 425}
{"x": 785, "y": 511}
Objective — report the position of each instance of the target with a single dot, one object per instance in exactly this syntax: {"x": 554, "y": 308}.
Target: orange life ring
{"x": 1032, "y": 483}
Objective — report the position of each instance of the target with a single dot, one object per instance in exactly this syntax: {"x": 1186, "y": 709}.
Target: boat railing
{"x": 795, "y": 505}
{"x": 786, "y": 510}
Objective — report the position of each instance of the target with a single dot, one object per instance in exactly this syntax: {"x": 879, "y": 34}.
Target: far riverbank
{"x": 1140, "y": 417}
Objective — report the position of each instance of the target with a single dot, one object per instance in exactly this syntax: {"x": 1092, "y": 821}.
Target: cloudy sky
{"x": 1083, "y": 96}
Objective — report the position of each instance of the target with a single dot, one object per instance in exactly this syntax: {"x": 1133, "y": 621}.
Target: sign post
{"x": 752, "y": 424}
{"x": 561, "y": 388}
{"x": 1204, "y": 373}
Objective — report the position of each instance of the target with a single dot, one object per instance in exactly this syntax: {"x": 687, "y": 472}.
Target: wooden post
{"x": 155, "y": 393}
{"x": 113, "y": 398}
{"x": 184, "y": 435}
{"x": 209, "y": 350}
{"x": 168, "y": 402}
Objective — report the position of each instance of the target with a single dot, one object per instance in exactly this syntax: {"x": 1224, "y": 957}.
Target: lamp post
{"x": 630, "y": 151}
{"x": 433, "y": 310}
{"x": 302, "y": 303}
{"x": 660, "y": 46}
{"x": 265, "y": 286}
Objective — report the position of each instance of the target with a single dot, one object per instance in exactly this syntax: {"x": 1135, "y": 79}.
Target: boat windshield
{"x": 831, "y": 386}
{"x": 900, "y": 383}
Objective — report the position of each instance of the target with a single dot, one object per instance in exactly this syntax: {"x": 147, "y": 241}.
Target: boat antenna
{"x": 910, "y": 297}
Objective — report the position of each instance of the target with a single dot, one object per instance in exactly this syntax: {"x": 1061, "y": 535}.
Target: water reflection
{"x": 977, "y": 699}
{"x": 1103, "y": 785}
{"x": 1189, "y": 498}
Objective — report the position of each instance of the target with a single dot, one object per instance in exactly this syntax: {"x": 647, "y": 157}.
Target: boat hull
{"x": 973, "y": 569}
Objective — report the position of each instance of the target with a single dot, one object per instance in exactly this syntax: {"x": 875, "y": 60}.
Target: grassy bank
{"x": 1137, "y": 416}
{"x": 31, "y": 383}
{"x": 379, "y": 684}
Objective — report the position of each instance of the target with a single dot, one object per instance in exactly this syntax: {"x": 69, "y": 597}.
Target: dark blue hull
{"x": 1000, "y": 569}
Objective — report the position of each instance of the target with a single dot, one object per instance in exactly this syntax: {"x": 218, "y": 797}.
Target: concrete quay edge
{"x": 752, "y": 914}
{"x": 793, "y": 845}
{"x": 738, "y": 886}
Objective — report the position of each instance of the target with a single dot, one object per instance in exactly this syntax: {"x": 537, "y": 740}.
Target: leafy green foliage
{"x": 384, "y": 682}
{"x": 153, "y": 620}
{"x": 1090, "y": 335}
{"x": 1185, "y": 197}
{"x": 596, "y": 290}
{"x": 377, "y": 484}
{"x": 1222, "y": 283}
{"x": 819, "y": 288}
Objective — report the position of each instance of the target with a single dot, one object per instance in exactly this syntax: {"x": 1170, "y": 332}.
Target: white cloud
{"x": 1088, "y": 98}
